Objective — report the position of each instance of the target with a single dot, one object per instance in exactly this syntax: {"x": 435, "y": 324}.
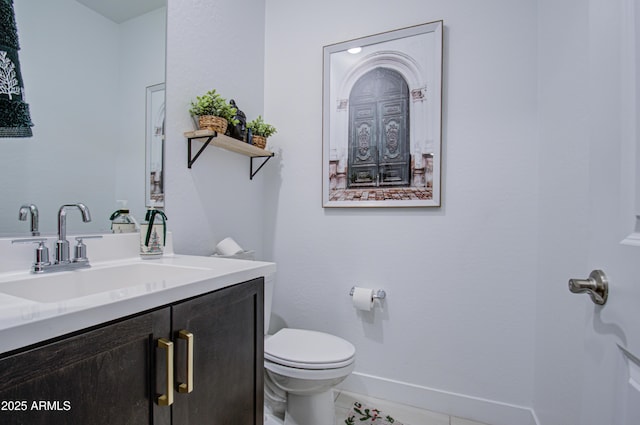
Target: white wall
{"x": 213, "y": 45}
{"x": 564, "y": 94}
{"x": 457, "y": 330}
{"x": 478, "y": 321}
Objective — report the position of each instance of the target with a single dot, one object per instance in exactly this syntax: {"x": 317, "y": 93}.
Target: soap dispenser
{"x": 122, "y": 221}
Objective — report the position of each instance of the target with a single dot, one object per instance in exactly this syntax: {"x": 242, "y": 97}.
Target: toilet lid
{"x": 308, "y": 349}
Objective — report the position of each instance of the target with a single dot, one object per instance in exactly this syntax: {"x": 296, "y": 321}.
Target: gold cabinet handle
{"x": 187, "y": 387}
{"x": 167, "y": 399}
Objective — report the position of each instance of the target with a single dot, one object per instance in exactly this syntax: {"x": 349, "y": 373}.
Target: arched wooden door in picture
{"x": 379, "y": 153}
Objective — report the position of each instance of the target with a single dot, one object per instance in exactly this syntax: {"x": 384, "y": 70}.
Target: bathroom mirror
{"x": 86, "y": 66}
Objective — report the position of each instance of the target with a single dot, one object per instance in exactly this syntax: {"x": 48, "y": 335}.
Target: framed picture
{"x": 154, "y": 185}
{"x": 382, "y": 119}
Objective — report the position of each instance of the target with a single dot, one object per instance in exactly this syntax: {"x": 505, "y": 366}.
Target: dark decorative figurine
{"x": 239, "y": 130}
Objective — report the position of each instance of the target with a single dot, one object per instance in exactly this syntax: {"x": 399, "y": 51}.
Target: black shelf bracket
{"x": 253, "y": 173}
{"x": 191, "y": 160}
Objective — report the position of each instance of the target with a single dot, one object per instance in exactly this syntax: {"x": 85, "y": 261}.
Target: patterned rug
{"x": 365, "y": 415}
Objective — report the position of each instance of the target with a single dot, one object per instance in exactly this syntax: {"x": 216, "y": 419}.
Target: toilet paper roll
{"x": 228, "y": 246}
{"x": 362, "y": 298}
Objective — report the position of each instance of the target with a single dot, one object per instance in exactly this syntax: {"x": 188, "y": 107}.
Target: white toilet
{"x": 302, "y": 367}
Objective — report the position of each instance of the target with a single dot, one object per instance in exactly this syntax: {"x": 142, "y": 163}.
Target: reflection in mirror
{"x": 86, "y": 76}
{"x": 154, "y": 186}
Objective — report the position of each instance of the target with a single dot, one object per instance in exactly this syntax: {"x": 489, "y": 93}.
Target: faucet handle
{"x": 29, "y": 240}
{"x": 42, "y": 252}
{"x": 81, "y": 237}
{"x": 80, "y": 249}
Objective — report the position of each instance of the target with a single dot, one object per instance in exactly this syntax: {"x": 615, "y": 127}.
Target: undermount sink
{"x": 59, "y": 286}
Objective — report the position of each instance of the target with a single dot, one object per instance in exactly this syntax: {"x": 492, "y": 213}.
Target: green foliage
{"x": 211, "y": 103}
{"x": 260, "y": 128}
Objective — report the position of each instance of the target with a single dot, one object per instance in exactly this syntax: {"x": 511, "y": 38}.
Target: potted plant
{"x": 213, "y": 112}
{"x": 260, "y": 131}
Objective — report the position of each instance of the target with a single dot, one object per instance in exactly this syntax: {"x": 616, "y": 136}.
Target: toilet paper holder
{"x": 379, "y": 294}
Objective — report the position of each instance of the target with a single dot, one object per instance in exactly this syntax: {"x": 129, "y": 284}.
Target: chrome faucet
{"x": 33, "y": 211}
{"x": 62, "y": 245}
{"x": 61, "y": 261}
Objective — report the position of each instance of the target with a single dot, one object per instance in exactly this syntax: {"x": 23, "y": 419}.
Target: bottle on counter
{"x": 122, "y": 221}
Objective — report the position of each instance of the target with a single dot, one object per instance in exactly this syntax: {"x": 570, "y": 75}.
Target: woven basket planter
{"x": 259, "y": 141}
{"x": 211, "y": 122}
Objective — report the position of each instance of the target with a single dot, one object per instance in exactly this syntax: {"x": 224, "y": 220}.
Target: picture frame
{"x": 382, "y": 119}
{"x": 154, "y": 151}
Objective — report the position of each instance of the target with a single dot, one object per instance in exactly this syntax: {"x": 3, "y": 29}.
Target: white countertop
{"x": 24, "y": 322}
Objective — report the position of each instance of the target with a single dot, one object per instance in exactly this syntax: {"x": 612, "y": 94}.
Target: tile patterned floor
{"x": 406, "y": 414}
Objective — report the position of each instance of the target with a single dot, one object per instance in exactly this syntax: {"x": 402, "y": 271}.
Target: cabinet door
{"x": 228, "y": 357}
{"x": 95, "y": 377}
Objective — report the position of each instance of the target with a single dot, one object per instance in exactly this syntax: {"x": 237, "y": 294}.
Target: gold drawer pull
{"x": 188, "y": 386}
{"x": 167, "y": 399}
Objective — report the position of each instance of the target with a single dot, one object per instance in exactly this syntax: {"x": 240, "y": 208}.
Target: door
{"x": 98, "y": 377}
{"x": 610, "y": 390}
{"x": 379, "y": 130}
{"x": 228, "y": 357}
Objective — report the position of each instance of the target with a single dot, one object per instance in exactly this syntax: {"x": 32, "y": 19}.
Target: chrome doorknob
{"x": 597, "y": 286}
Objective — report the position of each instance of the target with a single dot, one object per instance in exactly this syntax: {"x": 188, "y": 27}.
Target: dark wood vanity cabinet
{"x": 114, "y": 373}
{"x": 228, "y": 329}
{"x": 100, "y": 376}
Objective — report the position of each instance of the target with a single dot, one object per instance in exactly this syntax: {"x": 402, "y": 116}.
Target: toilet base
{"x": 270, "y": 419}
{"x": 316, "y": 409}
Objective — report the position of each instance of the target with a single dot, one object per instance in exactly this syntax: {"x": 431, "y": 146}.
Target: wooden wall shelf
{"x": 229, "y": 143}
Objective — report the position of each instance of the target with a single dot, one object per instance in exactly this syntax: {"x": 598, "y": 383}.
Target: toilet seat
{"x": 305, "y": 349}
{"x": 309, "y": 375}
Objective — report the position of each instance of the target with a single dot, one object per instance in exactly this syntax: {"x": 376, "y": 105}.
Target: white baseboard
{"x": 460, "y": 405}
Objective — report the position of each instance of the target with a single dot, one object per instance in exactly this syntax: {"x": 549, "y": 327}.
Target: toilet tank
{"x": 269, "y": 284}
